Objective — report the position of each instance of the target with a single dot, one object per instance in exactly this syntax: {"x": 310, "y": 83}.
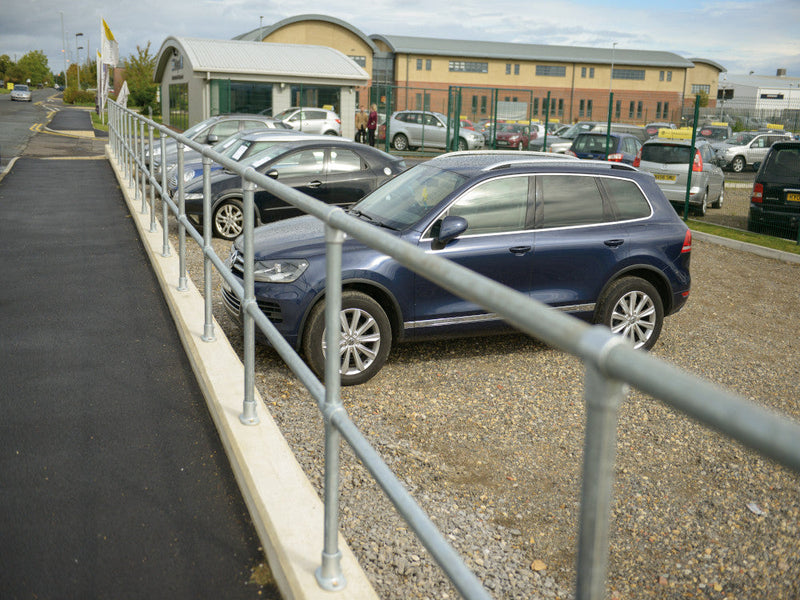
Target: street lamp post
{"x": 78, "y": 59}
{"x": 610, "y": 99}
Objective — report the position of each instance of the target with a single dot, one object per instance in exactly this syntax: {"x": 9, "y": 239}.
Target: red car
{"x": 513, "y": 135}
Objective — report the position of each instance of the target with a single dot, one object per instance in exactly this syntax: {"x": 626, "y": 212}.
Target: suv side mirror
{"x": 450, "y": 229}
{"x": 212, "y": 138}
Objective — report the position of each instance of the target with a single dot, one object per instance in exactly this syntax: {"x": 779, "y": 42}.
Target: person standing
{"x": 372, "y": 124}
{"x": 361, "y": 125}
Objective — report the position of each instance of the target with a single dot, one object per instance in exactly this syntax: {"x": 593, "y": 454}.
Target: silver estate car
{"x": 410, "y": 129}
{"x": 311, "y": 120}
{"x": 668, "y": 161}
{"x": 748, "y": 149}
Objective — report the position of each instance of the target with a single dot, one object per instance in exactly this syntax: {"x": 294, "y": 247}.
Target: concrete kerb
{"x": 285, "y": 508}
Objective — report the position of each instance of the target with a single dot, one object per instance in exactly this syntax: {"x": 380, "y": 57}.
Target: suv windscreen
{"x": 668, "y": 154}
{"x": 740, "y": 139}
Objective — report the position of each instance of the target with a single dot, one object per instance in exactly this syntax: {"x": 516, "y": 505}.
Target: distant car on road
{"x": 411, "y": 129}
{"x": 311, "y": 120}
{"x": 21, "y": 93}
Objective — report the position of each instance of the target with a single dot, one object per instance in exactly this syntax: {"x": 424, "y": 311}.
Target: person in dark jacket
{"x": 361, "y": 125}
{"x": 372, "y": 124}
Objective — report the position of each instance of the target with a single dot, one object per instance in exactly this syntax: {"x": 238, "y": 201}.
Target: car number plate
{"x": 793, "y": 197}
{"x": 670, "y": 178}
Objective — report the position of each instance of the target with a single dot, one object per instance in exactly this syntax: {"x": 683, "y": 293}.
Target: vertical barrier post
{"x": 142, "y": 170}
{"x": 249, "y": 415}
{"x": 208, "y": 329}
{"x": 134, "y": 164}
{"x": 329, "y": 573}
{"x": 164, "y": 206}
{"x": 691, "y": 158}
{"x": 603, "y": 399}
{"x": 608, "y": 125}
{"x": 182, "y": 284}
{"x": 150, "y": 171}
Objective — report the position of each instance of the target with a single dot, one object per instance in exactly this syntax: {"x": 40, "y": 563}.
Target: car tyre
{"x": 520, "y": 146}
{"x": 738, "y": 164}
{"x": 228, "y": 221}
{"x": 632, "y": 308}
{"x": 462, "y": 144}
{"x": 701, "y": 210}
{"x": 331, "y": 132}
{"x": 365, "y": 342}
{"x": 400, "y": 142}
{"x": 720, "y": 199}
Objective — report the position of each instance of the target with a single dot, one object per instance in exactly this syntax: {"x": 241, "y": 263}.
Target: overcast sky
{"x": 741, "y": 35}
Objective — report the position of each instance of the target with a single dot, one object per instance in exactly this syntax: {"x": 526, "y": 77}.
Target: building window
{"x": 583, "y": 72}
{"x": 551, "y": 71}
{"x": 466, "y": 66}
{"x": 637, "y": 74}
{"x": 483, "y": 105}
{"x": 536, "y": 106}
{"x": 474, "y": 105}
{"x": 618, "y": 110}
{"x": 427, "y": 64}
{"x": 508, "y": 68}
{"x": 581, "y": 108}
{"x": 632, "y": 110}
{"x": 661, "y": 75}
{"x": 639, "y": 110}
{"x": 419, "y": 64}
{"x": 361, "y": 61}
{"x": 516, "y": 68}
{"x": 665, "y": 111}
{"x": 561, "y": 107}
{"x": 658, "y": 110}
{"x": 669, "y": 75}
{"x": 591, "y": 72}
{"x": 589, "y": 109}
{"x": 697, "y": 88}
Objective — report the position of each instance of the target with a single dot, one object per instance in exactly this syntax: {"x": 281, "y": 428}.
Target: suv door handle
{"x": 519, "y": 250}
{"x": 614, "y": 243}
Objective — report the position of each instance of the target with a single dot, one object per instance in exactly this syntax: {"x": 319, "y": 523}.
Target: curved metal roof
{"x": 262, "y": 32}
{"x": 261, "y": 58}
{"x": 706, "y": 61}
{"x": 534, "y": 52}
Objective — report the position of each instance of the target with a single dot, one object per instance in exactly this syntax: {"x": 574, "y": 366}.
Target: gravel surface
{"x": 487, "y": 434}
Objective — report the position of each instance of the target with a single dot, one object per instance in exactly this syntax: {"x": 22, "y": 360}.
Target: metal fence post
{"x": 182, "y": 284}
{"x": 249, "y": 415}
{"x": 208, "y": 328}
{"x": 603, "y": 397}
{"x": 329, "y": 574}
{"x": 150, "y": 172}
{"x": 164, "y": 207}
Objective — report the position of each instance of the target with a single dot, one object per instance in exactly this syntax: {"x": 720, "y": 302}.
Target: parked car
{"x": 622, "y": 147}
{"x": 637, "y": 131}
{"x": 561, "y": 143}
{"x": 336, "y": 171}
{"x": 714, "y": 133}
{"x": 652, "y": 128}
{"x": 596, "y": 240}
{"x": 21, "y": 93}
{"x": 668, "y": 161}
{"x": 411, "y": 129}
{"x": 750, "y": 152}
{"x": 513, "y": 135}
{"x": 775, "y": 200}
{"x": 208, "y": 132}
{"x": 311, "y": 120}
{"x": 240, "y": 147}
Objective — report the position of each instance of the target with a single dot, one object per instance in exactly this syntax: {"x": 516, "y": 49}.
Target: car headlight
{"x": 193, "y": 196}
{"x": 188, "y": 175}
{"x": 279, "y": 271}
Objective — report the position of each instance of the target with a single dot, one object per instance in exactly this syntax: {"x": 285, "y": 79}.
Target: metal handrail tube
{"x": 611, "y": 364}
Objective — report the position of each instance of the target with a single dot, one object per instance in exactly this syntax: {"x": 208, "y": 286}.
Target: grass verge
{"x": 767, "y": 241}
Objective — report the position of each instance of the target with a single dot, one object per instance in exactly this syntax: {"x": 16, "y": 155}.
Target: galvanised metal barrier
{"x": 611, "y": 364}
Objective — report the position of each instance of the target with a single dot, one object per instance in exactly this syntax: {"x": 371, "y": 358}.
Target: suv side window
{"x": 565, "y": 200}
{"x": 224, "y": 129}
{"x": 626, "y": 198}
{"x": 495, "y": 206}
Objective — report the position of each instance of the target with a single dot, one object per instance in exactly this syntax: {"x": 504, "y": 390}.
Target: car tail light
{"x": 697, "y": 165}
{"x": 339, "y": 121}
{"x": 757, "y": 197}
{"x": 569, "y": 153}
{"x": 687, "y": 242}
{"x": 615, "y": 157}
{"x": 638, "y": 160}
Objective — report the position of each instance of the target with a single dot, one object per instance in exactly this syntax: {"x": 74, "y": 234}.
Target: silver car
{"x": 311, "y": 120}
{"x": 668, "y": 161}
{"x": 21, "y": 93}
{"x": 410, "y": 129}
{"x": 748, "y": 149}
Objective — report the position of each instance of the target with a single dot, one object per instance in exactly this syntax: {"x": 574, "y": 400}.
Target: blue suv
{"x": 596, "y": 239}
